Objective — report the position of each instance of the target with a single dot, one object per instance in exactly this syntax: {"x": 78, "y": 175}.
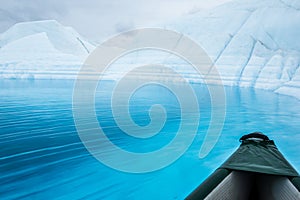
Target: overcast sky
{"x": 98, "y": 19}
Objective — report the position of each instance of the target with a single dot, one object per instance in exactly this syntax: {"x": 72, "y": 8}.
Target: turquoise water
{"x": 43, "y": 157}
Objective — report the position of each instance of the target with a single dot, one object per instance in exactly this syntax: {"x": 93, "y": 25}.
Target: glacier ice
{"x": 42, "y": 50}
{"x": 64, "y": 39}
{"x": 253, "y": 43}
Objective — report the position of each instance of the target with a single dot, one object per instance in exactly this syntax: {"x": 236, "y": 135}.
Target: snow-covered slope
{"x": 41, "y": 49}
{"x": 254, "y": 43}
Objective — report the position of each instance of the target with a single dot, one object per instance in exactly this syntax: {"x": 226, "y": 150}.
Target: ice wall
{"x": 253, "y": 43}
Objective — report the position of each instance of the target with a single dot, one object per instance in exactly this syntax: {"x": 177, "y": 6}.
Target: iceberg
{"x": 42, "y": 50}
{"x": 253, "y": 43}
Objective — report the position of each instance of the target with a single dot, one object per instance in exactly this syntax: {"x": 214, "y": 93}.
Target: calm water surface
{"x": 42, "y": 156}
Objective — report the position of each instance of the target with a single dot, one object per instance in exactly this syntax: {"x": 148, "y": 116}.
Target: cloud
{"x": 124, "y": 26}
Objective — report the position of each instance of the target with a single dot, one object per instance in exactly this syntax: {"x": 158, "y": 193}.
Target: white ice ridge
{"x": 42, "y": 49}
{"x": 253, "y": 43}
